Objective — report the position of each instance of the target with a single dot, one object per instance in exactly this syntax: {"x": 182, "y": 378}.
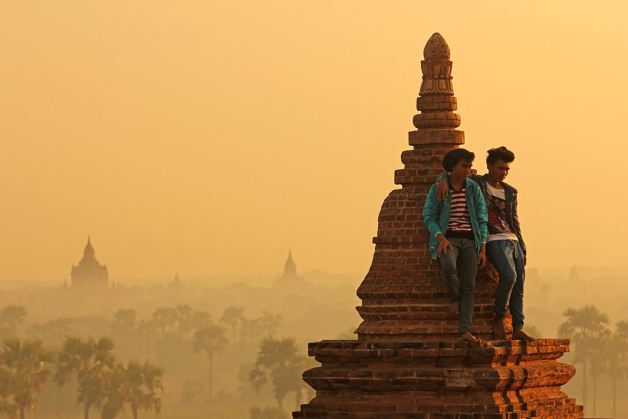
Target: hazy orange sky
{"x": 209, "y": 137}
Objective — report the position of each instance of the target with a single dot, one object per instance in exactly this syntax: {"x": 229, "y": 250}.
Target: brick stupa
{"x": 407, "y": 361}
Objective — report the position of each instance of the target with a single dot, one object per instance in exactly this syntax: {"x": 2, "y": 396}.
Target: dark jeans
{"x": 461, "y": 289}
{"x": 507, "y": 257}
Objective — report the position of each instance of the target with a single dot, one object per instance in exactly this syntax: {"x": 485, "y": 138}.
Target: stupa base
{"x": 439, "y": 380}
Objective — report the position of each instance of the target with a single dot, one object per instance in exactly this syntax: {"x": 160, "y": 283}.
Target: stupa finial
{"x": 436, "y": 67}
{"x": 436, "y": 48}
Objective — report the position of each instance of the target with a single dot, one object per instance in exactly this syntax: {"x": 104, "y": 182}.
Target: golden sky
{"x": 209, "y": 137}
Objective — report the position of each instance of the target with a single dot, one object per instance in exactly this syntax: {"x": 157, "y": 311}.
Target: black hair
{"x": 499, "y": 153}
{"x": 452, "y": 158}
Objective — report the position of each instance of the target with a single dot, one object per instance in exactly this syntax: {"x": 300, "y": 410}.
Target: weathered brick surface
{"x": 407, "y": 361}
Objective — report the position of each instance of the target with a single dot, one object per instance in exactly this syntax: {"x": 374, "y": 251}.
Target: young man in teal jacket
{"x": 458, "y": 231}
{"x": 505, "y": 247}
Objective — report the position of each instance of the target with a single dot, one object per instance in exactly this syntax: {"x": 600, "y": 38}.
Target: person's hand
{"x": 525, "y": 260}
{"x": 482, "y": 256}
{"x": 442, "y": 190}
{"x": 443, "y": 244}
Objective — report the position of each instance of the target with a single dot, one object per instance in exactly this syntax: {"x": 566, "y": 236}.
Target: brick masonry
{"x": 407, "y": 361}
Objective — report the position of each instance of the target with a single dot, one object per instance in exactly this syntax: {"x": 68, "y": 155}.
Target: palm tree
{"x": 7, "y": 402}
{"x": 135, "y": 386}
{"x": 279, "y": 360}
{"x": 24, "y": 372}
{"x": 270, "y": 322}
{"x": 583, "y": 326}
{"x": 115, "y": 391}
{"x": 232, "y": 316}
{"x": 165, "y": 317}
{"x": 190, "y": 319}
{"x": 141, "y": 383}
{"x": 211, "y": 340}
{"x": 617, "y": 367}
{"x": 200, "y": 319}
{"x": 91, "y": 362}
{"x": 184, "y": 315}
{"x": 124, "y": 320}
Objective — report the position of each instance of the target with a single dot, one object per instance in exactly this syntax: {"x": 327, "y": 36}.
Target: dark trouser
{"x": 507, "y": 257}
{"x": 461, "y": 289}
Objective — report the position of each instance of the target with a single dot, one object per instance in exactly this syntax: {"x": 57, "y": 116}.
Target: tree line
{"x": 108, "y": 386}
{"x": 26, "y": 366}
{"x": 600, "y": 350}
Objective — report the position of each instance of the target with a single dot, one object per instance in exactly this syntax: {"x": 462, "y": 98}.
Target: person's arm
{"x": 431, "y": 215}
{"x": 442, "y": 189}
{"x": 481, "y": 213}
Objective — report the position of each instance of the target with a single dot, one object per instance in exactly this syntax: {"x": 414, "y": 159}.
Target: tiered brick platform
{"x": 407, "y": 361}
{"x": 405, "y": 379}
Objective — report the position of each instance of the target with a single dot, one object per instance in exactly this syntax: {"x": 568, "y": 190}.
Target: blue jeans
{"x": 463, "y": 289}
{"x": 507, "y": 257}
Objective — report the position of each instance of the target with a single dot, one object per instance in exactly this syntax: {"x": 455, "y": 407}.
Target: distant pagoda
{"x": 290, "y": 276}
{"x": 89, "y": 274}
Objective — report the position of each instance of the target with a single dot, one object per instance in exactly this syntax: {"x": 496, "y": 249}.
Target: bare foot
{"x": 498, "y": 328}
{"x": 468, "y": 337}
{"x": 454, "y": 308}
{"x": 519, "y": 334}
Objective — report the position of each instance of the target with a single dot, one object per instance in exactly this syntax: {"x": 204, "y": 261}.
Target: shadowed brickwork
{"x": 407, "y": 361}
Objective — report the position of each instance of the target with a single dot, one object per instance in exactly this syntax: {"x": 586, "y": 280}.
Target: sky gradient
{"x": 209, "y": 137}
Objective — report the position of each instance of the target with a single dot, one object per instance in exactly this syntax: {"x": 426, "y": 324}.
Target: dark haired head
{"x": 452, "y": 158}
{"x": 500, "y": 153}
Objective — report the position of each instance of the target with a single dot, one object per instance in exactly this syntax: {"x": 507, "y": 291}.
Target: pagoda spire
{"x": 89, "y": 252}
{"x": 89, "y": 272}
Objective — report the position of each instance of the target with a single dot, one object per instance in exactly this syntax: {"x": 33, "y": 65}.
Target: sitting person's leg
{"x": 501, "y": 254}
{"x": 516, "y": 300}
{"x": 468, "y": 260}
{"x": 450, "y": 275}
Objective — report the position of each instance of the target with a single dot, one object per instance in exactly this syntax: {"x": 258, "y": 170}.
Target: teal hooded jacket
{"x": 436, "y": 215}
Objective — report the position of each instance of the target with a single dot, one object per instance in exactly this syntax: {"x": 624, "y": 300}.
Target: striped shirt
{"x": 459, "y": 220}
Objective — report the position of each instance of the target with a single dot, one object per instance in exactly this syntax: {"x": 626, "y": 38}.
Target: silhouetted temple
{"x": 176, "y": 283}
{"x": 290, "y": 277}
{"x": 408, "y": 361}
{"x": 89, "y": 273}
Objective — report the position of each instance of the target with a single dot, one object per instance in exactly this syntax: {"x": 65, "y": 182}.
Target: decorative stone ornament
{"x": 436, "y": 67}
{"x": 408, "y": 361}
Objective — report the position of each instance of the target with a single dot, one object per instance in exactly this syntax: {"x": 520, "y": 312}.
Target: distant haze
{"x": 209, "y": 137}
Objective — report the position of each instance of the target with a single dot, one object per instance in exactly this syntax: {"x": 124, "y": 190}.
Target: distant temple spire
{"x": 290, "y": 276}
{"x": 176, "y": 282}
{"x": 290, "y": 268}
{"x": 89, "y": 273}
{"x": 89, "y": 252}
